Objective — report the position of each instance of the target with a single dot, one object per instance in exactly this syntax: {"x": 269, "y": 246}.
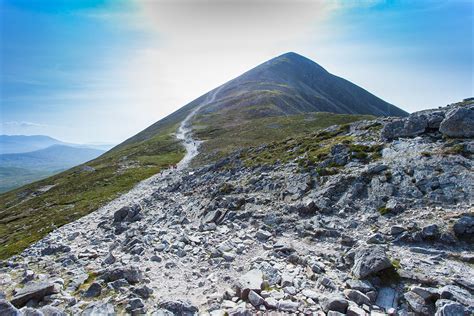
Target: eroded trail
{"x": 185, "y": 132}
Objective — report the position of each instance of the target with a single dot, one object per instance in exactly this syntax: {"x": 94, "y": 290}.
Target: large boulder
{"x": 459, "y": 122}
{"x": 414, "y": 125}
{"x": 34, "y": 291}
{"x": 370, "y": 260}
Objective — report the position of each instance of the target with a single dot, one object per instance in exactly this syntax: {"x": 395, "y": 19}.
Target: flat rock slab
{"x": 33, "y": 291}
{"x": 387, "y": 298}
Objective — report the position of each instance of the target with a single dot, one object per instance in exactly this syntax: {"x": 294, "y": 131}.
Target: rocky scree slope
{"x": 374, "y": 217}
{"x": 270, "y": 102}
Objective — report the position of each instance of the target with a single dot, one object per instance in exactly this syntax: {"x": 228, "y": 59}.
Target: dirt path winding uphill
{"x": 185, "y": 132}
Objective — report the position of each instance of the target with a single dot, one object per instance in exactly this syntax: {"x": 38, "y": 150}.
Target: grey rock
{"x": 7, "y": 309}
{"x": 449, "y": 308}
{"x": 55, "y": 249}
{"x": 369, "y": 261}
{"x": 455, "y": 293}
{"x": 354, "y": 310}
{"x": 376, "y": 238}
{"x": 144, "y": 292}
{"x": 94, "y": 290}
{"x": 135, "y": 305}
{"x": 110, "y": 259}
{"x": 427, "y": 293}
{"x": 396, "y": 230}
{"x": 99, "y": 309}
{"x": 28, "y": 276}
{"x": 29, "y": 311}
{"x": 255, "y": 299}
{"x": 411, "y": 126}
{"x": 386, "y": 298}
{"x": 128, "y": 214}
{"x": 263, "y": 235}
{"x": 360, "y": 285}
{"x": 271, "y": 302}
{"x": 357, "y": 297}
{"x": 250, "y": 281}
{"x": 326, "y": 282}
{"x": 334, "y": 303}
{"x": 51, "y": 311}
{"x": 33, "y": 291}
{"x": 270, "y": 273}
{"x": 118, "y": 284}
{"x": 418, "y": 304}
{"x": 131, "y": 274}
{"x": 464, "y": 227}
{"x": 459, "y": 122}
{"x": 287, "y": 279}
{"x": 430, "y": 231}
{"x": 288, "y": 306}
{"x": 179, "y": 307}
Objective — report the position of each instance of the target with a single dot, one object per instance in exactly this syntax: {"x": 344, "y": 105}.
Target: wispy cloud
{"x": 23, "y": 124}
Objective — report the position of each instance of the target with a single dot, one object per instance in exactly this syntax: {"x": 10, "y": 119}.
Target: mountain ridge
{"x": 226, "y": 99}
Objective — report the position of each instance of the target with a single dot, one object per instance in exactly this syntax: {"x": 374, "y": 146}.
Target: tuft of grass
{"x": 384, "y": 210}
{"x": 396, "y": 264}
{"x": 457, "y": 149}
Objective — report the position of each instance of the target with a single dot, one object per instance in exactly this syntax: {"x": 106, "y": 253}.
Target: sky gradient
{"x": 100, "y": 71}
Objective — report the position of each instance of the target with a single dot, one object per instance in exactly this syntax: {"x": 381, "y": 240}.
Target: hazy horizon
{"x": 101, "y": 71}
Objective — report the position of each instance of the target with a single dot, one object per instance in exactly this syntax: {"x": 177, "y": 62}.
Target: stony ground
{"x": 392, "y": 235}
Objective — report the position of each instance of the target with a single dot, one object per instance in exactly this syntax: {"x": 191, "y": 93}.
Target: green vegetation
{"x": 309, "y": 149}
{"x": 384, "y": 210}
{"x": 396, "y": 264}
{"x": 224, "y": 134}
{"x": 29, "y": 213}
{"x": 454, "y": 149}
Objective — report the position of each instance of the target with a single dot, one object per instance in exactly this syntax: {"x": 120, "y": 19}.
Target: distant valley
{"x": 25, "y": 159}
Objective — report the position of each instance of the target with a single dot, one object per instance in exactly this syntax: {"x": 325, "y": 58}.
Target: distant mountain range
{"x": 21, "y": 144}
{"x": 25, "y": 159}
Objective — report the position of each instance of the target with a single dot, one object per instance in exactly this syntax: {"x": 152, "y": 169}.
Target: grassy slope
{"x": 27, "y": 214}
{"x": 11, "y": 177}
{"x": 222, "y": 135}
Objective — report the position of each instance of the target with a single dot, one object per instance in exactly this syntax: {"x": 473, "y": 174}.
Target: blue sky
{"x": 101, "y": 71}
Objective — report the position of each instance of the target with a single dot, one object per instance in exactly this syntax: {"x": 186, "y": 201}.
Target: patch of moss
{"x": 384, "y": 210}
{"x": 457, "y": 149}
